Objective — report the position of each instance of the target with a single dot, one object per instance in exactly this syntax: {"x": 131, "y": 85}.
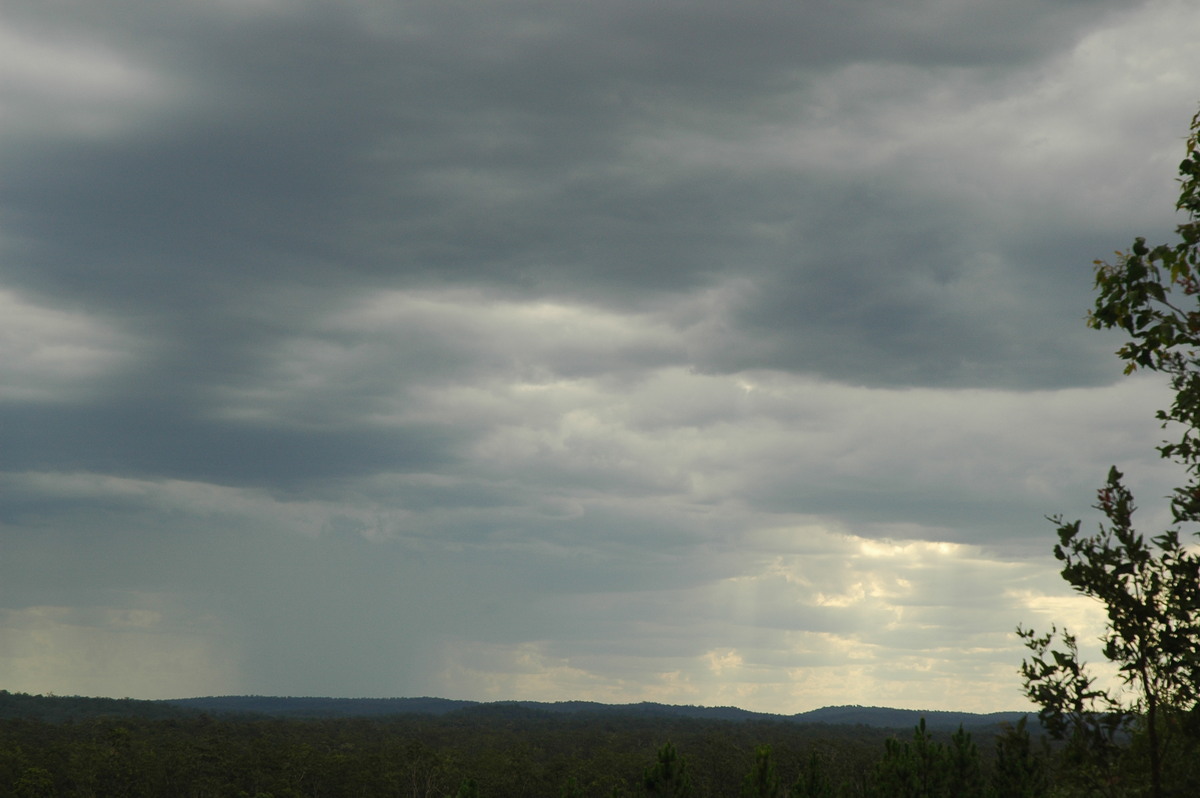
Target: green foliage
{"x": 1151, "y": 592}
{"x": 1147, "y": 294}
{"x": 813, "y": 781}
{"x": 762, "y": 781}
{"x": 924, "y": 768}
{"x": 965, "y": 776}
{"x": 497, "y": 756}
{"x": 1020, "y": 772}
{"x": 34, "y": 783}
{"x": 413, "y": 755}
{"x": 1072, "y": 707}
{"x": 571, "y": 789}
{"x": 1150, "y": 589}
{"x": 468, "y": 789}
{"x": 670, "y": 775}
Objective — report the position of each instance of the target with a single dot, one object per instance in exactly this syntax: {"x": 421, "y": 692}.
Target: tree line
{"x": 508, "y": 753}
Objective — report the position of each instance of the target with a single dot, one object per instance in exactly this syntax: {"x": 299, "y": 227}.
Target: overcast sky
{"x": 696, "y": 352}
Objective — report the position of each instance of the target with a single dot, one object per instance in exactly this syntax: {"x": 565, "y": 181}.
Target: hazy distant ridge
{"x": 882, "y": 717}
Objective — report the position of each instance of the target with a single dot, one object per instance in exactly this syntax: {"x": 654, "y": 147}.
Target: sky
{"x": 636, "y": 350}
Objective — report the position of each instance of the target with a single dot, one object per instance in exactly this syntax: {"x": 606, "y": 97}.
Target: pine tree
{"x": 670, "y": 775}
{"x": 1020, "y": 773}
{"x": 762, "y": 781}
{"x": 812, "y": 781}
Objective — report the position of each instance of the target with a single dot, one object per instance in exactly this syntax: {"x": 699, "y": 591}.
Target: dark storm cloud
{"x": 551, "y": 349}
{"x": 142, "y": 441}
{"x": 347, "y": 148}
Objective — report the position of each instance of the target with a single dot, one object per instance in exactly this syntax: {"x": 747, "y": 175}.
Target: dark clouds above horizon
{"x": 621, "y": 350}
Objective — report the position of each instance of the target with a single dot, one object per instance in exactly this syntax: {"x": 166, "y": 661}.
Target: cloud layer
{"x": 542, "y": 350}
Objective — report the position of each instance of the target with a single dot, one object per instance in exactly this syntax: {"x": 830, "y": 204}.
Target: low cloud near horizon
{"x": 627, "y": 351}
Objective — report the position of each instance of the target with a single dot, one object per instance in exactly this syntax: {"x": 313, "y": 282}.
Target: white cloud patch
{"x": 1095, "y": 130}
{"x": 51, "y": 355}
{"x": 916, "y": 624}
{"x": 372, "y": 357}
{"x": 67, "y": 85}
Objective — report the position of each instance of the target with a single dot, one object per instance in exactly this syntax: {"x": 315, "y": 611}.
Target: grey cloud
{"x": 216, "y": 181}
{"x": 461, "y": 328}
{"x": 139, "y": 441}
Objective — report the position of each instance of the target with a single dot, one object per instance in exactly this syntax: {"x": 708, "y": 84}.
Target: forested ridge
{"x": 318, "y": 707}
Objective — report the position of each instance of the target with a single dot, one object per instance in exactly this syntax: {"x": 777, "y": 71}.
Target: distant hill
{"x": 884, "y": 717}
{"x": 59, "y": 709}
{"x": 305, "y": 707}
{"x": 878, "y": 717}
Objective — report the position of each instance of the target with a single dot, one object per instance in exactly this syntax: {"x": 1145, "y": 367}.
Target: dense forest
{"x": 103, "y": 747}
